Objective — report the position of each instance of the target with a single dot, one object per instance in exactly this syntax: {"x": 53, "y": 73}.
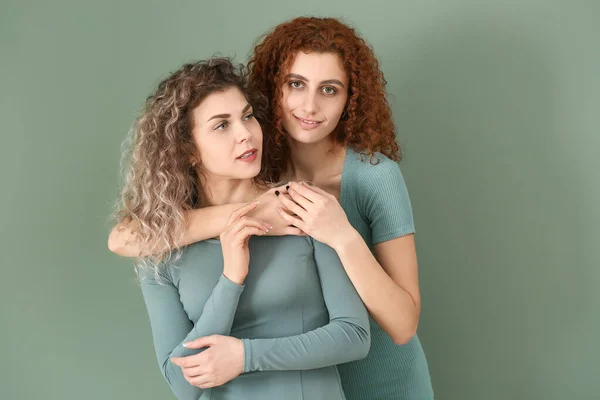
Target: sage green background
{"x": 497, "y": 104}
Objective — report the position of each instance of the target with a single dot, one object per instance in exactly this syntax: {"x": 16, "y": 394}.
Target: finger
{"x": 248, "y": 231}
{"x": 247, "y": 221}
{"x": 192, "y": 372}
{"x": 177, "y": 361}
{"x": 240, "y": 212}
{"x": 202, "y": 381}
{"x": 283, "y": 188}
{"x": 307, "y": 191}
{"x": 201, "y": 342}
{"x": 301, "y": 200}
{"x": 294, "y": 221}
{"x": 293, "y": 206}
{"x": 206, "y": 384}
{"x": 183, "y": 362}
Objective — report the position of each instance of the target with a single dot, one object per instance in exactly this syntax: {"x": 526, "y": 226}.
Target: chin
{"x": 250, "y": 173}
{"x": 306, "y": 137}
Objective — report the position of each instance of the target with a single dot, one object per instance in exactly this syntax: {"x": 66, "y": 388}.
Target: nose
{"x": 244, "y": 134}
{"x": 311, "y": 104}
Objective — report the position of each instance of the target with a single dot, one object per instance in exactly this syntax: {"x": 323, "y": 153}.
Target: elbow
{"x": 364, "y": 343}
{"x": 404, "y": 336}
{"x": 180, "y": 387}
{"x": 113, "y": 243}
{"x": 116, "y": 243}
{"x": 364, "y": 349}
{"x": 357, "y": 343}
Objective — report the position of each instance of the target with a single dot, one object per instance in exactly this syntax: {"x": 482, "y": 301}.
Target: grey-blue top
{"x": 297, "y": 314}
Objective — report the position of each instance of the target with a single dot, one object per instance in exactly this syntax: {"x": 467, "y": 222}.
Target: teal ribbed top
{"x": 377, "y": 204}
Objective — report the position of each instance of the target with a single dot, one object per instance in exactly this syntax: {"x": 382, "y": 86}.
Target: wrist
{"x": 346, "y": 240}
{"x": 235, "y": 278}
{"x": 247, "y": 355}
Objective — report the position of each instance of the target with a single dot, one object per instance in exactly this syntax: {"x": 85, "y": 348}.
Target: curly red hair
{"x": 367, "y": 125}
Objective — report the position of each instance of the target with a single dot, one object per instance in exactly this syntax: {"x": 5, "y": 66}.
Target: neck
{"x": 220, "y": 190}
{"x": 314, "y": 162}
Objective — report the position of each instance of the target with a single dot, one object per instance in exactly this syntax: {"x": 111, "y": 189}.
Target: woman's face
{"x": 228, "y": 138}
{"x": 314, "y": 96}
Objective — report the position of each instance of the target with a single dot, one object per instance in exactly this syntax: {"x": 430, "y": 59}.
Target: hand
{"x": 234, "y": 242}
{"x": 317, "y": 213}
{"x": 267, "y": 211}
{"x": 220, "y": 363}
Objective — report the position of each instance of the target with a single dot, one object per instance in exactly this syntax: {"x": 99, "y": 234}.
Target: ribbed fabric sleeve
{"x": 375, "y": 199}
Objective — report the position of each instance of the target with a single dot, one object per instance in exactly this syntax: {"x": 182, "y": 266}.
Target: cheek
{"x": 335, "y": 108}
{"x": 289, "y": 101}
{"x": 211, "y": 154}
{"x": 257, "y": 134}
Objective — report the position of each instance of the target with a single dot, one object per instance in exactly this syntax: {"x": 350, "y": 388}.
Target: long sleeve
{"x": 171, "y": 326}
{"x": 345, "y": 338}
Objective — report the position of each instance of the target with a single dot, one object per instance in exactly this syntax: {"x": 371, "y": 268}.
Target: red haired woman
{"x": 334, "y": 139}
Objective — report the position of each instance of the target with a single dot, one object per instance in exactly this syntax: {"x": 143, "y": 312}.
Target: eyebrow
{"x": 225, "y": 116}
{"x": 326, "y": 82}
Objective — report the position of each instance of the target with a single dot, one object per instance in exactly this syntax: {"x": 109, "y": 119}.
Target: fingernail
{"x": 186, "y": 344}
{"x": 287, "y": 187}
{"x": 277, "y": 193}
{"x": 257, "y": 202}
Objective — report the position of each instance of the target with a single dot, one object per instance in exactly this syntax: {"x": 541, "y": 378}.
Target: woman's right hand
{"x": 267, "y": 211}
{"x": 234, "y": 242}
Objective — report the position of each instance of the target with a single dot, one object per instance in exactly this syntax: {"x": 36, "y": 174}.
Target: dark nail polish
{"x": 277, "y": 193}
{"x": 287, "y": 187}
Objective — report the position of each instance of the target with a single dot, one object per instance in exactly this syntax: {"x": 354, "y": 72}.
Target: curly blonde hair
{"x": 159, "y": 182}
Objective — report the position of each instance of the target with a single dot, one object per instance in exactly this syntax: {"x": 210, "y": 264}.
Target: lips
{"x": 247, "y": 154}
{"x": 308, "y": 121}
{"x": 308, "y": 124}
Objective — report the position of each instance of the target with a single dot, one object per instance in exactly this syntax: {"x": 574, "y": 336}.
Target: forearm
{"x": 171, "y": 326}
{"x": 203, "y": 223}
{"x": 216, "y": 319}
{"x": 345, "y": 338}
{"x": 332, "y": 344}
{"x": 217, "y": 316}
{"x": 391, "y": 306}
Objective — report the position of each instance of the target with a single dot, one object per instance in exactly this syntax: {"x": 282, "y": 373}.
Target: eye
{"x": 329, "y": 90}
{"x": 222, "y": 126}
{"x": 296, "y": 84}
{"x": 249, "y": 117}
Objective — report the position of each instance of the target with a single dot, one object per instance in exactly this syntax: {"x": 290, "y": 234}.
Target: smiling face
{"x": 314, "y": 96}
{"x": 228, "y": 138}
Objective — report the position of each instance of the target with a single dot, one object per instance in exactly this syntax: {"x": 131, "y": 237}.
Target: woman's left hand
{"x": 317, "y": 213}
{"x": 215, "y": 366}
